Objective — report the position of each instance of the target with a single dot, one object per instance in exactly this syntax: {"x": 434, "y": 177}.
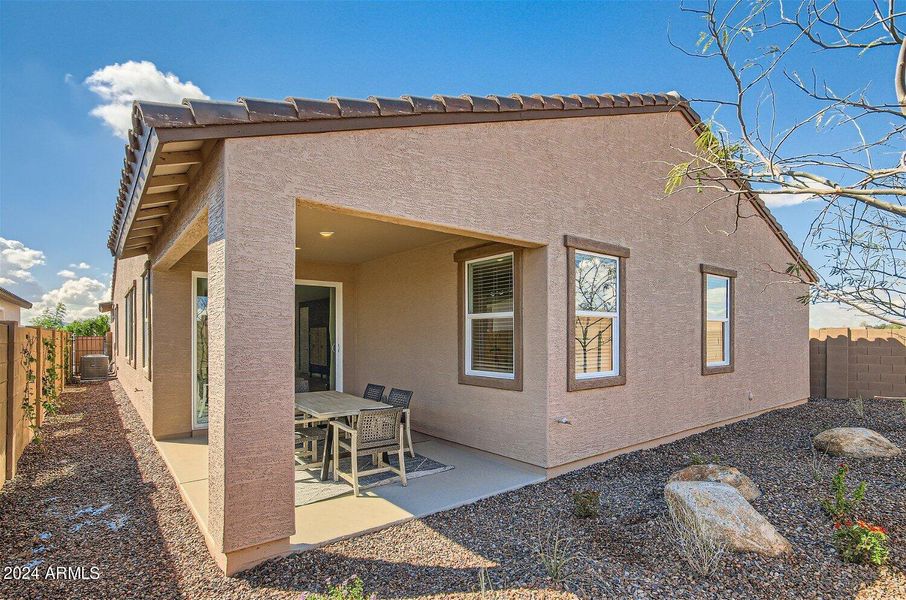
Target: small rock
{"x": 717, "y": 473}
{"x": 857, "y": 442}
{"x": 726, "y": 515}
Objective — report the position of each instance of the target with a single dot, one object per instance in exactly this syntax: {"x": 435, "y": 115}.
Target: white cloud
{"x": 81, "y": 297}
{"x": 838, "y": 315}
{"x": 67, "y": 274}
{"x": 15, "y": 253}
{"x": 81, "y": 265}
{"x": 121, "y": 83}
{"x": 16, "y": 262}
{"x": 781, "y": 200}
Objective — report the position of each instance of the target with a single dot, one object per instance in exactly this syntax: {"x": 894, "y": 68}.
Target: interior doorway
{"x": 318, "y": 335}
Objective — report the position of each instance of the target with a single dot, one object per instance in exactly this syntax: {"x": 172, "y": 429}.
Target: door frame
{"x": 338, "y": 313}
{"x": 196, "y": 275}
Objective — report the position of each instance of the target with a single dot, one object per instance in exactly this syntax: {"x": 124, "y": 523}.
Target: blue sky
{"x": 60, "y": 164}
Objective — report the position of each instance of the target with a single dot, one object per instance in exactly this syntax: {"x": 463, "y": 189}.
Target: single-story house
{"x": 510, "y": 259}
{"x": 11, "y": 306}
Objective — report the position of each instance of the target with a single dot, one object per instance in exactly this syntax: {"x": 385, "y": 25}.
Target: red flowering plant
{"x": 857, "y": 541}
{"x": 861, "y": 542}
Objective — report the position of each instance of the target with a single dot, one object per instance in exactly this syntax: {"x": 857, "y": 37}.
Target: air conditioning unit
{"x": 94, "y": 366}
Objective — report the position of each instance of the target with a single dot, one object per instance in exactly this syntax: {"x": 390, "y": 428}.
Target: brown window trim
{"x": 467, "y": 254}
{"x": 132, "y": 352}
{"x": 572, "y": 244}
{"x": 146, "y": 281}
{"x": 731, "y": 275}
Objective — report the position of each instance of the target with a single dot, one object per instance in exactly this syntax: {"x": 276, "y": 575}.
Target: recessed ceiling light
{"x": 326, "y": 234}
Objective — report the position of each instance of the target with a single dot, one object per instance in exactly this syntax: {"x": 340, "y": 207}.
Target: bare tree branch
{"x": 861, "y": 228}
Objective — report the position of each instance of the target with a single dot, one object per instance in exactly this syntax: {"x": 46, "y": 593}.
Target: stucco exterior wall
{"x": 251, "y": 272}
{"x": 171, "y": 331}
{"x": 596, "y": 177}
{"x": 135, "y": 380}
{"x": 408, "y": 338}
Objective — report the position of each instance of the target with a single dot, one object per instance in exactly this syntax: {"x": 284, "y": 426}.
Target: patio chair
{"x": 377, "y": 430}
{"x": 374, "y": 392}
{"x": 400, "y": 399}
{"x": 308, "y": 434}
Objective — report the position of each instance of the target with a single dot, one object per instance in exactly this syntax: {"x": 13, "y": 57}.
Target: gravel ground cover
{"x": 96, "y": 494}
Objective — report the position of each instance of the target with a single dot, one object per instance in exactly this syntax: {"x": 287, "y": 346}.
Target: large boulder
{"x": 857, "y": 442}
{"x": 729, "y": 475}
{"x": 726, "y": 516}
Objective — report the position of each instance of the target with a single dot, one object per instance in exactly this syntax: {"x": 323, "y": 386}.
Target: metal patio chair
{"x": 400, "y": 399}
{"x": 374, "y": 392}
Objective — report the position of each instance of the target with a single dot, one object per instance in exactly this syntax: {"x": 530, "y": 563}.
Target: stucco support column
{"x": 251, "y": 276}
{"x": 171, "y": 353}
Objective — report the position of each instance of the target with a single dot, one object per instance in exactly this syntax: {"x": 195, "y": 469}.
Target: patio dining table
{"x": 329, "y": 405}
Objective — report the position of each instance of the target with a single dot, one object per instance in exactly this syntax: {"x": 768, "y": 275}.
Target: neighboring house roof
{"x": 155, "y": 124}
{"x": 11, "y": 297}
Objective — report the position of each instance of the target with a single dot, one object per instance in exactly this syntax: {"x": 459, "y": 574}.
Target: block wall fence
{"x": 853, "y": 363}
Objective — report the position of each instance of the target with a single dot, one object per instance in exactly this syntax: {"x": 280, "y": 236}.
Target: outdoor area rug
{"x": 311, "y": 489}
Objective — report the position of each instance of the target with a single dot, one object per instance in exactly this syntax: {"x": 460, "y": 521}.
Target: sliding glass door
{"x": 319, "y": 326}
{"x": 200, "y": 350}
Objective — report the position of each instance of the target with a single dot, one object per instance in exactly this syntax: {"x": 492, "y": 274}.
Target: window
{"x": 130, "y": 325}
{"x": 596, "y": 299}
{"x": 146, "y": 320}
{"x": 116, "y": 329}
{"x": 717, "y": 320}
{"x": 490, "y": 316}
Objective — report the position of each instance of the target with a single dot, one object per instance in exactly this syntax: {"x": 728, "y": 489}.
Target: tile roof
{"x": 194, "y": 113}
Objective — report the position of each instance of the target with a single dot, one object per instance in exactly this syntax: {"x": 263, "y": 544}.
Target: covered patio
{"x": 475, "y": 475}
{"x": 376, "y": 301}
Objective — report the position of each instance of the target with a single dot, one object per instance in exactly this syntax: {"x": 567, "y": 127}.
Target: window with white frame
{"x": 490, "y": 317}
{"x": 597, "y": 315}
{"x": 717, "y": 321}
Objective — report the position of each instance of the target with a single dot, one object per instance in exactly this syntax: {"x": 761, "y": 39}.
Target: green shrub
{"x": 843, "y": 505}
{"x": 586, "y": 503}
{"x": 697, "y": 458}
{"x": 351, "y": 589}
{"x": 861, "y": 542}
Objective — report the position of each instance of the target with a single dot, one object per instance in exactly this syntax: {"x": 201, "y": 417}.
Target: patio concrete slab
{"x": 475, "y": 475}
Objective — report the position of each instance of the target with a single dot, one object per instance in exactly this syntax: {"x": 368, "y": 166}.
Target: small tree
{"x": 94, "y": 326}
{"x": 51, "y": 318}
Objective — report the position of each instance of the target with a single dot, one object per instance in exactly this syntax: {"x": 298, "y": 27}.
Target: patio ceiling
{"x": 355, "y": 239}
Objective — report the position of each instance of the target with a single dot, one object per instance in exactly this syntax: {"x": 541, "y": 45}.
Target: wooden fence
{"x": 854, "y": 363}
{"x": 50, "y": 350}
{"x": 83, "y": 345}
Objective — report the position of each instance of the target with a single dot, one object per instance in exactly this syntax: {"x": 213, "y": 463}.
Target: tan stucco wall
{"x": 408, "y": 338}
{"x": 135, "y": 380}
{"x": 251, "y": 273}
{"x": 171, "y": 331}
{"x": 539, "y": 180}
